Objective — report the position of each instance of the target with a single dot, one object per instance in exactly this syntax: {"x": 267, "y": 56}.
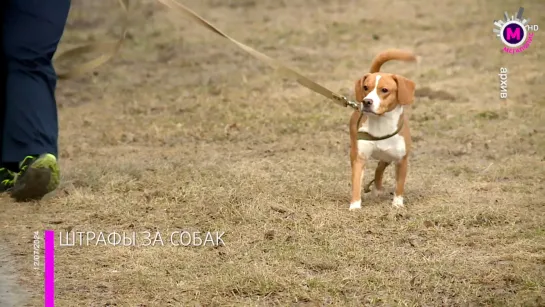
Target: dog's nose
{"x": 367, "y": 102}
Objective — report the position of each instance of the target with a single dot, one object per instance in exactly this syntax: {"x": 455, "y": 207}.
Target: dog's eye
{"x": 365, "y": 87}
{"x": 385, "y": 90}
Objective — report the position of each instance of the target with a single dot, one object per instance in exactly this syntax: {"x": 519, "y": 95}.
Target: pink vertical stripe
{"x": 49, "y": 268}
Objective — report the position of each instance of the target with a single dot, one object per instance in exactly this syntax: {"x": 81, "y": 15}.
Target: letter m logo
{"x": 511, "y": 34}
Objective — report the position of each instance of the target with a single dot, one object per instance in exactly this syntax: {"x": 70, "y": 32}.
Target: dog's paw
{"x": 355, "y": 205}
{"x": 398, "y": 202}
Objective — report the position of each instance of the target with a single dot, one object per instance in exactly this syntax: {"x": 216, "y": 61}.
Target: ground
{"x": 183, "y": 131}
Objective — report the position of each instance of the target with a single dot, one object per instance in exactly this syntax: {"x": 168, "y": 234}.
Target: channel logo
{"x": 515, "y": 32}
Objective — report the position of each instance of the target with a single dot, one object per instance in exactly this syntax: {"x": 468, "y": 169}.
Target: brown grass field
{"x": 183, "y": 131}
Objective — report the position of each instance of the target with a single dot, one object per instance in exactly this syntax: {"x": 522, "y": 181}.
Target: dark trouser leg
{"x": 31, "y": 32}
{"x": 3, "y": 75}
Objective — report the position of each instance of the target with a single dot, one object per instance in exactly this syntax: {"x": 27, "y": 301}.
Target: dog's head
{"x": 381, "y": 92}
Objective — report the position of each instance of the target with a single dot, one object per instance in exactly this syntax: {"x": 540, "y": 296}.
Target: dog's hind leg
{"x": 379, "y": 175}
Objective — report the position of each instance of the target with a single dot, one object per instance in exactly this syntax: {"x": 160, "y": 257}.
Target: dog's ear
{"x": 358, "y": 88}
{"x": 405, "y": 90}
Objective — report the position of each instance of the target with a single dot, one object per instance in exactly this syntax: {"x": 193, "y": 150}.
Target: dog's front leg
{"x": 401, "y": 175}
{"x": 357, "y": 164}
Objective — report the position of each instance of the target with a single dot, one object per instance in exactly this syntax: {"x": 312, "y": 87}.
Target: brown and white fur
{"x": 385, "y": 97}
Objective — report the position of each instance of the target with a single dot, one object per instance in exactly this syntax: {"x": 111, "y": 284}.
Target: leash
{"x": 112, "y": 48}
{"x": 286, "y": 71}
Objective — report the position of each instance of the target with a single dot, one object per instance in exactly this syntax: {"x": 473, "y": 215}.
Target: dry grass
{"x": 184, "y": 131}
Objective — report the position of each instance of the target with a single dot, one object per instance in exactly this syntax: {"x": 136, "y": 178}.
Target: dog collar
{"x": 365, "y": 136}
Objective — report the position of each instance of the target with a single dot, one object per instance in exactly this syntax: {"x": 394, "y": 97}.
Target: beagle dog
{"x": 380, "y": 129}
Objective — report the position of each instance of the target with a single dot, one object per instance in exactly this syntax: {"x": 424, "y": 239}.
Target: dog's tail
{"x": 391, "y": 54}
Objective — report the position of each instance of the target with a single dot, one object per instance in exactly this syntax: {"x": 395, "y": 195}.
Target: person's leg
{"x": 6, "y": 176}
{"x": 31, "y": 32}
{"x": 3, "y": 74}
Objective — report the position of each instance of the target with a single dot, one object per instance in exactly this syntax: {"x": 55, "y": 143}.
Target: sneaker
{"x": 38, "y": 176}
{"x": 6, "y": 179}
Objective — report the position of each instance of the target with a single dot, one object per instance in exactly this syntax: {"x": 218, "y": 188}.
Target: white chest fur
{"x": 388, "y": 150}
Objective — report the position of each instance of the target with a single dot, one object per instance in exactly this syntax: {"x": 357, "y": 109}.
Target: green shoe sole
{"x": 41, "y": 178}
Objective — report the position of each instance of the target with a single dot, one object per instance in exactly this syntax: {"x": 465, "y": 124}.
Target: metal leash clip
{"x": 353, "y": 104}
